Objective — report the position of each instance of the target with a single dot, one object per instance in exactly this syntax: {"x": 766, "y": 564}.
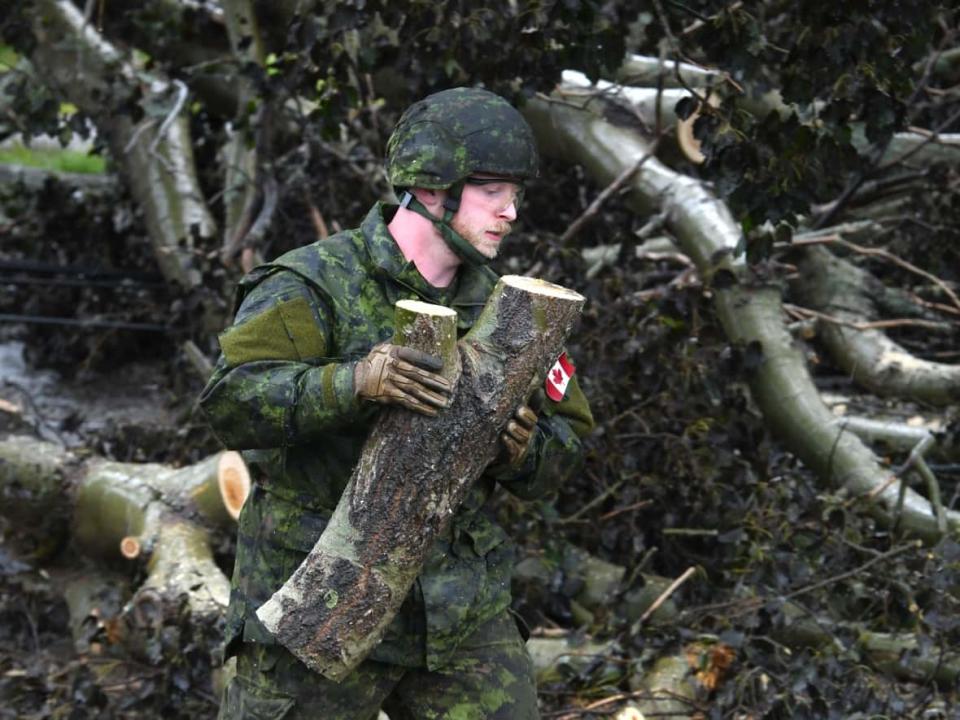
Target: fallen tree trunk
{"x": 120, "y": 512}
{"x": 415, "y": 470}
{"x": 790, "y": 403}
{"x": 839, "y": 289}
{"x": 750, "y": 314}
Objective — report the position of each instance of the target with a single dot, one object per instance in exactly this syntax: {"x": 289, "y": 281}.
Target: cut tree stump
{"x": 118, "y": 512}
{"x": 415, "y": 470}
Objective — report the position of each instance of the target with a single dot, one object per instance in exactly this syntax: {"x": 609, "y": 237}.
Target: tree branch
{"x": 839, "y": 289}
{"x": 79, "y": 63}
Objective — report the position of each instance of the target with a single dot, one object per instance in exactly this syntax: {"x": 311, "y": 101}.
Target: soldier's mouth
{"x": 498, "y": 233}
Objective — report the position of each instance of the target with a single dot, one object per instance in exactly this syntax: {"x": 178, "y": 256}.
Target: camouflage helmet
{"x": 453, "y": 134}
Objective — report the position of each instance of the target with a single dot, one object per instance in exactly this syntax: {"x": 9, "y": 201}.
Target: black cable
{"x": 84, "y": 323}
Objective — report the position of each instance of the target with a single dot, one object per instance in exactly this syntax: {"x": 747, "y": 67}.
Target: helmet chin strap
{"x": 460, "y": 246}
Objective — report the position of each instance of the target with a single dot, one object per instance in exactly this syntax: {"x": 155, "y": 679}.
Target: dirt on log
{"x": 415, "y": 470}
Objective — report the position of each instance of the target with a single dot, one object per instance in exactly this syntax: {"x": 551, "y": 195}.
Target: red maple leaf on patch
{"x": 557, "y": 377}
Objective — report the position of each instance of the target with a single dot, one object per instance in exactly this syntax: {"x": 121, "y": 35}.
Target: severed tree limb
{"x": 155, "y": 155}
{"x": 639, "y": 77}
{"x": 750, "y": 314}
{"x": 161, "y": 516}
{"x": 900, "y": 655}
{"x": 837, "y": 287}
{"x": 415, "y": 470}
{"x": 655, "y": 107}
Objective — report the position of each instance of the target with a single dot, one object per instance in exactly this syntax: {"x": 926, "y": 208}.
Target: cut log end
{"x": 422, "y": 308}
{"x": 130, "y": 547}
{"x": 233, "y": 478}
{"x": 536, "y": 286}
{"x": 688, "y": 142}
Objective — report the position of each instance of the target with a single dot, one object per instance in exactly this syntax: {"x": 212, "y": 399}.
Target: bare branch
{"x": 874, "y": 325}
{"x": 612, "y": 188}
{"x": 688, "y": 573}
{"x": 886, "y": 255}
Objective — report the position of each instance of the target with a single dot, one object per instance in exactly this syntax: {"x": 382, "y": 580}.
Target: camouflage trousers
{"x": 489, "y": 678}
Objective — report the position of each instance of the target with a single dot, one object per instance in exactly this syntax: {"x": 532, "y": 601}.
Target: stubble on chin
{"x": 482, "y": 243}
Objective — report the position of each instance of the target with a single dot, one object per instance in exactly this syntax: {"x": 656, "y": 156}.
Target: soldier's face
{"x": 486, "y": 212}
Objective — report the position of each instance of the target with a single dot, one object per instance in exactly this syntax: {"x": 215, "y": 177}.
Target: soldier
{"x": 303, "y": 371}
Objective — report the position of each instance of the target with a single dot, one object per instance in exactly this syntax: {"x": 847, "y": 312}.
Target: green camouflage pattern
{"x": 489, "y": 677}
{"x": 288, "y": 404}
{"x": 450, "y": 135}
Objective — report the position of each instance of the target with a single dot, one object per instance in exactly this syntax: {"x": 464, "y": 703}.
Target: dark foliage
{"x": 686, "y": 467}
{"x": 847, "y": 68}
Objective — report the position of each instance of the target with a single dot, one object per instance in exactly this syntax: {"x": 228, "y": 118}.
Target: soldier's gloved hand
{"x": 395, "y": 375}
{"x": 515, "y": 439}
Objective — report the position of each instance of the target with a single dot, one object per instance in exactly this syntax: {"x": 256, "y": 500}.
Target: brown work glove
{"x": 515, "y": 439}
{"x": 395, "y": 375}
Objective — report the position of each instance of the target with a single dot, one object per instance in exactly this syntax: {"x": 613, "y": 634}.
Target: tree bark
{"x": 916, "y": 146}
{"x": 415, "y": 470}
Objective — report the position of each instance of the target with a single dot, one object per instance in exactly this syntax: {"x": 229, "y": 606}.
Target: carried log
{"x": 415, "y": 470}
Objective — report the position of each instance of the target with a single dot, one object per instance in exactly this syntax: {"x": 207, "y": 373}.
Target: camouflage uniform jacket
{"x": 282, "y": 392}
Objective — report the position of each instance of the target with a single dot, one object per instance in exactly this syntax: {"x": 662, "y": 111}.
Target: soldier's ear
{"x": 432, "y": 200}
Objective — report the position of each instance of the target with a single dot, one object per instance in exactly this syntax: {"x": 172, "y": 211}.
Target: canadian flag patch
{"x": 558, "y": 378}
